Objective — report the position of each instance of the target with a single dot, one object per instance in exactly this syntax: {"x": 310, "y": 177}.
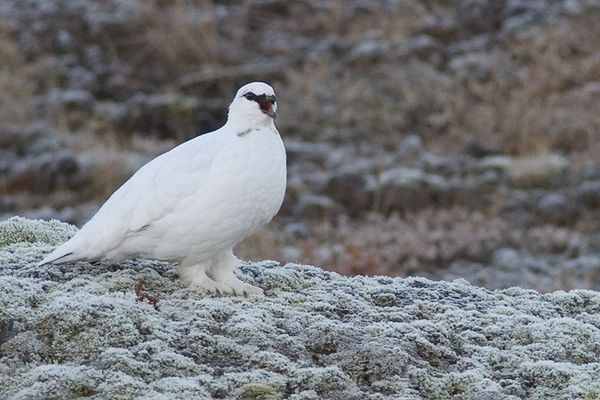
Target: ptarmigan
{"x": 194, "y": 203}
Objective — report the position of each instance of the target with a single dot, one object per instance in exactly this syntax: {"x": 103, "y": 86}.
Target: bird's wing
{"x": 152, "y": 192}
{"x": 177, "y": 177}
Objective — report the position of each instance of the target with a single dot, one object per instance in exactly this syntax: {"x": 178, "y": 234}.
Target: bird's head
{"x": 254, "y": 104}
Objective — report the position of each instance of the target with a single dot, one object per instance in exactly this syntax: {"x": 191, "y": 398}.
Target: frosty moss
{"x": 20, "y": 230}
{"x": 78, "y": 330}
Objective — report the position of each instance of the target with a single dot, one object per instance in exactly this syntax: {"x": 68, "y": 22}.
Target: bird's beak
{"x": 266, "y": 106}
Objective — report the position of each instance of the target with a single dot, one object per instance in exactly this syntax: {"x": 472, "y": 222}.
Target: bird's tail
{"x": 64, "y": 253}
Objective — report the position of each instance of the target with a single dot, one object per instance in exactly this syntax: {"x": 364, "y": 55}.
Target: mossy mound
{"x": 81, "y": 330}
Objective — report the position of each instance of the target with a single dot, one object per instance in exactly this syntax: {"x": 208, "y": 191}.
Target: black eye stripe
{"x": 252, "y": 97}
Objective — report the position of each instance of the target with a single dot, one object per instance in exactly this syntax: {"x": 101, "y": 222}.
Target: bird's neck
{"x": 248, "y": 123}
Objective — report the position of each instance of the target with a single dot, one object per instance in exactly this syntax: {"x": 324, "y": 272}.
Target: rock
{"x": 46, "y": 173}
{"x": 316, "y": 207}
{"x": 592, "y": 173}
{"x": 164, "y": 115}
{"x": 515, "y": 268}
{"x": 556, "y": 208}
{"x": 306, "y": 152}
{"x": 582, "y": 269}
{"x": 369, "y": 51}
{"x": 81, "y": 330}
{"x": 475, "y": 66}
{"x": 546, "y": 170}
{"x": 479, "y": 150}
{"x": 346, "y": 187}
{"x": 497, "y": 163}
{"x": 475, "y": 16}
{"x": 33, "y": 139}
{"x": 423, "y": 47}
{"x": 410, "y": 150}
{"x": 511, "y": 260}
{"x": 520, "y": 22}
{"x": 475, "y": 44}
{"x": 7, "y": 161}
{"x": 111, "y": 111}
{"x": 520, "y": 15}
{"x": 588, "y": 193}
{"x": 73, "y": 99}
{"x": 444, "y": 29}
{"x": 404, "y": 188}
{"x": 405, "y": 176}
{"x": 374, "y": 50}
{"x": 574, "y": 8}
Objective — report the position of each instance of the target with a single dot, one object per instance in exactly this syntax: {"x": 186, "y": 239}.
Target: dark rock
{"x": 302, "y": 152}
{"x": 73, "y": 99}
{"x": 369, "y": 51}
{"x": 412, "y": 189}
{"x": 411, "y": 150}
{"x": 475, "y": 44}
{"x": 592, "y": 173}
{"x": 297, "y": 229}
{"x": 346, "y": 186}
{"x": 163, "y": 115}
{"x": 475, "y": 16}
{"x": 347, "y": 189}
{"x": 423, "y": 47}
{"x": 479, "y": 150}
{"x": 33, "y": 139}
{"x": 316, "y": 207}
{"x": 520, "y": 22}
{"x": 474, "y": 66}
{"x": 443, "y": 29}
{"x": 556, "y": 208}
{"x": 46, "y": 173}
{"x": 588, "y": 193}
{"x": 511, "y": 260}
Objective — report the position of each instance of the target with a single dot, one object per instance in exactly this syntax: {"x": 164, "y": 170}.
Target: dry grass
{"x": 395, "y": 245}
{"x": 172, "y": 38}
{"x": 530, "y": 92}
{"x": 541, "y": 96}
{"x": 16, "y": 87}
{"x": 538, "y": 93}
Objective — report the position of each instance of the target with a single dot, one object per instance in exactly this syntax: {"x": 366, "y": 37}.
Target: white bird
{"x": 194, "y": 203}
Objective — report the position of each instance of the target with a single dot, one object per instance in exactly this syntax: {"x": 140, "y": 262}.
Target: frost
{"x": 18, "y": 230}
{"x": 77, "y": 330}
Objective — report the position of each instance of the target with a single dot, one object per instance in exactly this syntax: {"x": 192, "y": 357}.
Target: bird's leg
{"x": 194, "y": 275}
{"x": 221, "y": 271}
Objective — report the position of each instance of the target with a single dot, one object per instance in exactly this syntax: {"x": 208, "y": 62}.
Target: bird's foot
{"x": 244, "y": 289}
{"x": 209, "y": 286}
{"x": 236, "y": 286}
{"x": 219, "y": 279}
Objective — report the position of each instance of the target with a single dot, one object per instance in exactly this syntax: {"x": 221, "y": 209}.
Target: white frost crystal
{"x": 77, "y": 330}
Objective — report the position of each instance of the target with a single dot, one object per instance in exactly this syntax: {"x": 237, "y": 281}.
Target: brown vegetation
{"x": 113, "y": 84}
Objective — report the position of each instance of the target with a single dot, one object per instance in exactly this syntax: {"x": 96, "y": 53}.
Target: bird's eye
{"x": 250, "y": 96}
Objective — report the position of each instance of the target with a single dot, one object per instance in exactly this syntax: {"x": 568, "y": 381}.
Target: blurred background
{"x": 441, "y": 138}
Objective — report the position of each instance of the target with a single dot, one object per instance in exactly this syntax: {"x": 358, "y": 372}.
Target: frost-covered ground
{"x": 79, "y": 330}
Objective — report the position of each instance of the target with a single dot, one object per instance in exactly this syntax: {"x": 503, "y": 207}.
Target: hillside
{"x": 424, "y": 137}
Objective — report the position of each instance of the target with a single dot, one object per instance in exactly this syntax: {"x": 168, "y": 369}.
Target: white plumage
{"x": 194, "y": 203}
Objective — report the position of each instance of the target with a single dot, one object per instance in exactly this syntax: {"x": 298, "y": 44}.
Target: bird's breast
{"x": 250, "y": 180}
